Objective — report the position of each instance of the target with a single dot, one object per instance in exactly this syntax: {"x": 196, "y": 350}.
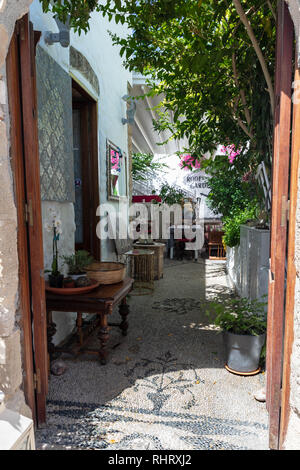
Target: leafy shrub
{"x": 171, "y": 195}
{"x": 240, "y": 316}
{"x": 143, "y": 166}
{"x": 233, "y": 222}
{"x": 78, "y": 261}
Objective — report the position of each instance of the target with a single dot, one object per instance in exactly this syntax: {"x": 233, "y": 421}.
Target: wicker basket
{"x": 106, "y": 272}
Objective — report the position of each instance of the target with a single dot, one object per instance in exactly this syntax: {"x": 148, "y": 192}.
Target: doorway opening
{"x": 85, "y": 150}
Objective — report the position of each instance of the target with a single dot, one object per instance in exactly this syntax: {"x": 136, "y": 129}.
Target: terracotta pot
{"x": 69, "y": 283}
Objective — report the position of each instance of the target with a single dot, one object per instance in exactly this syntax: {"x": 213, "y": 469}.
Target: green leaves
{"x": 240, "y": 316}
{"x": 188, "y": 46}
{"x": 171, "y": 195}
{"x": 78, "y": 262}
{"x": 143, "y": 165}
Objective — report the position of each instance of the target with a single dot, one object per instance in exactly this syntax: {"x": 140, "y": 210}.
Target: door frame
{"x": 26, "y": 173}
{"x": 279, "y": 225}
{"x": 291, "y": 268}
{"x": 90, "y": 168}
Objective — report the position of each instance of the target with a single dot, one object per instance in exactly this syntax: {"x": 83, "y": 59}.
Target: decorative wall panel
{"x": 54, "y": 95}
{"x": 80, "y": 63}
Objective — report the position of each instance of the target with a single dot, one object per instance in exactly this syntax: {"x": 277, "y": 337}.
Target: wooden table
{"x": 100, "y": 301}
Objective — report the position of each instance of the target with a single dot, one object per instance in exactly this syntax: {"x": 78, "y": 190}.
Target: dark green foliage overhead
{"x": 143, "y": 166}
{"x": 202, "y": 56}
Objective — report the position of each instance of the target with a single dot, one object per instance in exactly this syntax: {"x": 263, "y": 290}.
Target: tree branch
{"x": 244, "y": 128}
{"x": 272, "y": 10}
{"x": 239, "y": 121}
{"x": 242, "y": 93}
{"x": 258, "y": 51}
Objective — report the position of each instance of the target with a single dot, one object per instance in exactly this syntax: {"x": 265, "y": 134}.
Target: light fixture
{"x": 63, "y": 37}
{"x": 130, "y": 111}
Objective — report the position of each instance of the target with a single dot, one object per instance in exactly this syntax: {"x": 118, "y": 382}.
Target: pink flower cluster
{"x": 115, "y": 160}
{"x": 187, "y": 162}
{"x": 231, "y": 152}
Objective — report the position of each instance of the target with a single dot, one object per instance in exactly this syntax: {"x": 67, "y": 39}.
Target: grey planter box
{"x": 248, "y": 264}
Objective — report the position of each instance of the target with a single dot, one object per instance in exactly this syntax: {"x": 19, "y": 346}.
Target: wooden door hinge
{"x": 37, "y": 381}
{"x": 21, "y": 30}
{"x": 285, "y": 211}
{"x": 29, "y": 212}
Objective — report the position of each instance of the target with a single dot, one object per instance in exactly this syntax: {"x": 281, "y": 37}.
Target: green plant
{"x": 170, "y": 195}
{"x": 54, "y": 226}
{"x": 240, "y": 316}
{"x": 233, "y": 222}
{"x": 229, "y": 189}
{"x": 143, "y": 165}
{"x": 213, "y": 60}
{"x": 78, "y": 262}
{"x": 234, "y": 193}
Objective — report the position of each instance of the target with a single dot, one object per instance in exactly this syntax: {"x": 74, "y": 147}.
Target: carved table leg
{"x": 103, "y": 336}
{"x": 124, "y": 311}
{"x": 79, "y": 328}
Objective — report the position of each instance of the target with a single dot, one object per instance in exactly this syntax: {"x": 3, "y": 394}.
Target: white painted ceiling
{"x": 145, "y": 138}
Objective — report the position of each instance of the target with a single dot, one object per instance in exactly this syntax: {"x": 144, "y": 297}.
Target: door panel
{"x": 291, "y": 268}
{"x": 280, "y": 188}
{"x": 25, "y": 158}
{"x": 32, "y": 177}
{"x": 86, "y": 172}
{"x": 17, "y": 159}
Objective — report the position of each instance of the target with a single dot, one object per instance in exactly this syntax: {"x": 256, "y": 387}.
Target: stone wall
{"x": 10, "y": 334}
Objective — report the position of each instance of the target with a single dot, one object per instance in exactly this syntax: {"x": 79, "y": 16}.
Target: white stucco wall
{"x": 106, "y": 62}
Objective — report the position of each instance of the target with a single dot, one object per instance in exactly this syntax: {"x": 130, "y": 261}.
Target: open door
{"x": 85, "y": 150}
{"x": 279, "y": 222}
{"x": 25, "y": 165}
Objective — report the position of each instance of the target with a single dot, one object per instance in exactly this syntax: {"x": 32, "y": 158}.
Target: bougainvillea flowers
{"x": 231, "y": 152}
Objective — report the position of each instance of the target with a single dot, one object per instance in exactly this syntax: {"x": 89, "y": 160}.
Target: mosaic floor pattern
{"x": 165, "y": 386}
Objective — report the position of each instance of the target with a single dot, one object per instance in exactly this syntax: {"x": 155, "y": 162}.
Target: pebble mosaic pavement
{"x": 165, "y": 386}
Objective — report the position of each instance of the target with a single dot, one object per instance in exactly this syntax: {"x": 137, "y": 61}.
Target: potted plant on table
{"x": 77, "y": 264}
{"x": 54, "y": 227}
{"x": 244, "y": 324}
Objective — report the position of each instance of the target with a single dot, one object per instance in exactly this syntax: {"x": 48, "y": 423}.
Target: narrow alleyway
{"x": 164, "y": 386}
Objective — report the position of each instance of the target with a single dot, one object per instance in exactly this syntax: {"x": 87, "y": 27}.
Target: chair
{"x": 215, "y": 245}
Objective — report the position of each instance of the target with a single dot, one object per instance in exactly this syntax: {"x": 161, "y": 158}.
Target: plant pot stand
{"x": 246, "y": 374}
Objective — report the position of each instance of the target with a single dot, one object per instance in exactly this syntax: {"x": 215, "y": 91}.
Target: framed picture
{"x": 116, "y": 161}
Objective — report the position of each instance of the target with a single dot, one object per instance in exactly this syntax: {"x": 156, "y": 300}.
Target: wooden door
{"x": 85, "y": 170}
{"x": 25, "y": 163}
{"x": 280, "y": 195}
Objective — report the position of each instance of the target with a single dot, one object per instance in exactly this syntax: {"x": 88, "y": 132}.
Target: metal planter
{"x": 243, "y": 352}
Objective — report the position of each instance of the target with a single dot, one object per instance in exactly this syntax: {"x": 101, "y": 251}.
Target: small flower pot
{"x": 243, "y": 353}
{"x": 69, "y": 283}
{"x": 56, "y": 280}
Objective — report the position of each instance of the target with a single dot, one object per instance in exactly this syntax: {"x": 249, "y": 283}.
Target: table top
{"x": 105, "y": 294}
{"x": 152, "y": 245}
{"x": 138, "y": 252}
{"x": 180, "y": 227}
